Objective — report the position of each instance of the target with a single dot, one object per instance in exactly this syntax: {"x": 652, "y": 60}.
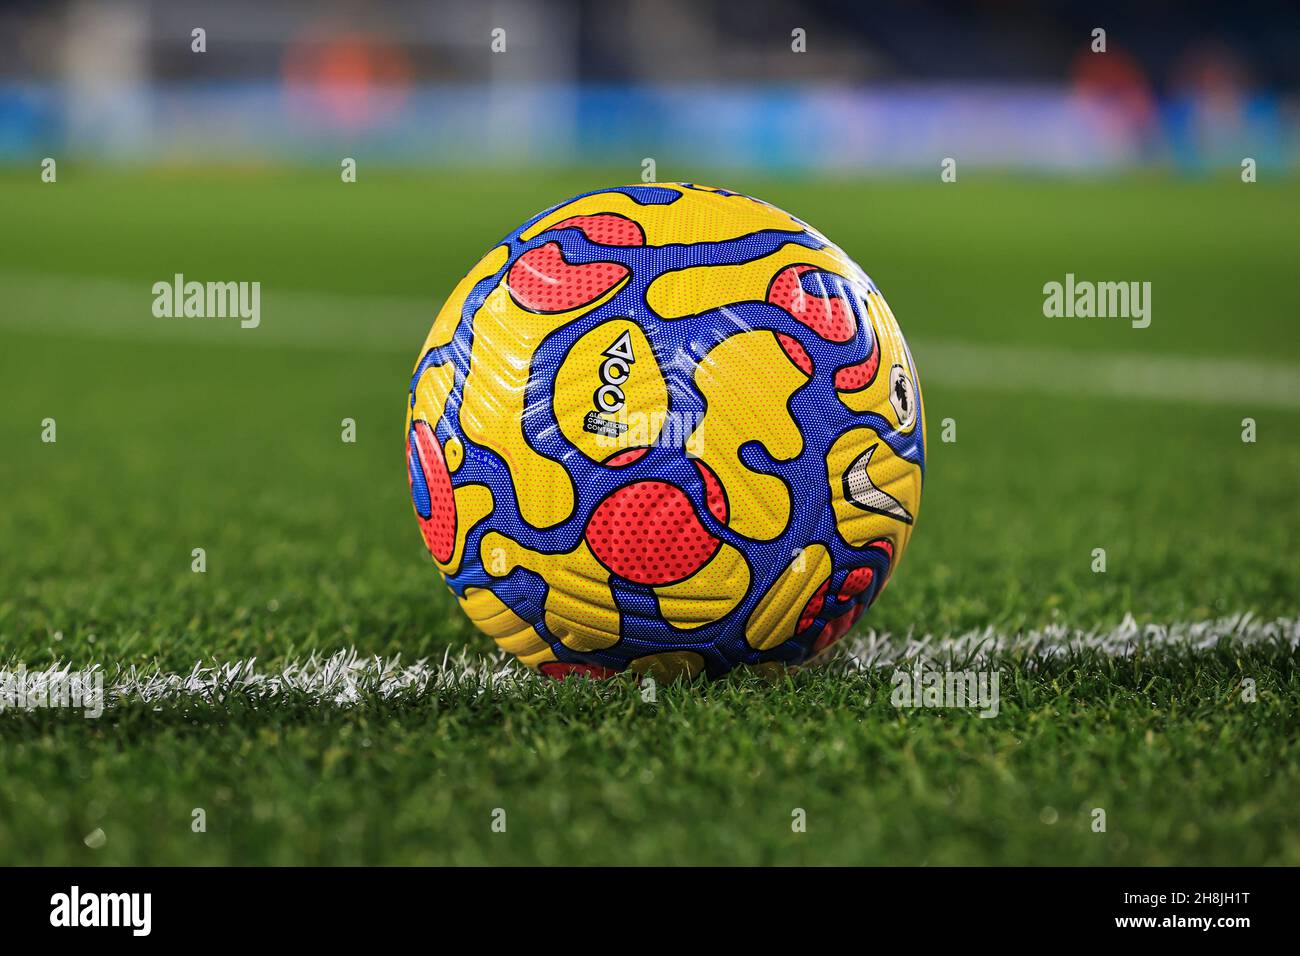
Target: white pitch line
{"x": 347, "y": 677}
{"x": 119, "y": 309}
{"x": 1224, "y": 381}
{"x": 115, "y": 308}
{"x": 878, "y": 649}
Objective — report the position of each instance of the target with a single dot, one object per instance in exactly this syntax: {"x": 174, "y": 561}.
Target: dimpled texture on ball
{"x": 668, "y": 429}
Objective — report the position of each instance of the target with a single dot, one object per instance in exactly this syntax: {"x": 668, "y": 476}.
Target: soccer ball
{"x": 668, "y": 428}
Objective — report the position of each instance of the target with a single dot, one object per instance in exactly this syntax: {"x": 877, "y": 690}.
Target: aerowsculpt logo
{"x": 75, "y": 908}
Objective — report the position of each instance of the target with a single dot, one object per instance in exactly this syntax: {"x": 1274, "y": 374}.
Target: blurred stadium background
{"x": 892, "y": 85}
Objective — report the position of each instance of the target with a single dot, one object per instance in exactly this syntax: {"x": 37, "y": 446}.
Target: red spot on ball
{"x": 887, "y": 546}
{"x": 836, "y": 628}
{"x": 606, "y": 229}
{"x": 884, "y": 544}
{"x": 558, "y": 670}
{"x": 713, "y": 495}
{"x": 439, "y": 529}
{"x": 853, "y": 378}
{"x": 798, "y": 354}
{"x": 857, "y": 581}
{"x": 621, "y": 458}
{"x": 541, "y": 281}
{"x": 828, "y": 315}
{"x": 648, "y": 532}
{"x": 814, "y": 607}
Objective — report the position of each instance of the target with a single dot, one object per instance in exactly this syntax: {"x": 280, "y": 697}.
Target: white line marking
{"x": 347, "y": 677}
{"x": 120, "y": 309}
{"x": 874, "y": 648}
{"x": 1203, "y": 381}
{"x": 116, "y": 308}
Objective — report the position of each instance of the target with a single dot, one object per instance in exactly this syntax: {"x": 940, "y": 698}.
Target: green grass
{"x": 185, "y": 435}
{"x": 1184, "y": 771}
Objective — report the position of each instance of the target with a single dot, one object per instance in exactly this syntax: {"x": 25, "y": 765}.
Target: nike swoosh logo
{"x": 862, "y": 491}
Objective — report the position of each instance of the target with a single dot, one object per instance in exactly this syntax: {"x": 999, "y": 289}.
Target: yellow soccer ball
{"x": 668, "y": 428}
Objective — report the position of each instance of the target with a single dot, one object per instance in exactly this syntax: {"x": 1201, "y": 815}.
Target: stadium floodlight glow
{"x": 668, "y": 428}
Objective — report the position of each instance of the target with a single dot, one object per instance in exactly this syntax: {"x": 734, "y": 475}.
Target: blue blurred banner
{"x": 789, "y": 86}
{"x": 795, "y": 128}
